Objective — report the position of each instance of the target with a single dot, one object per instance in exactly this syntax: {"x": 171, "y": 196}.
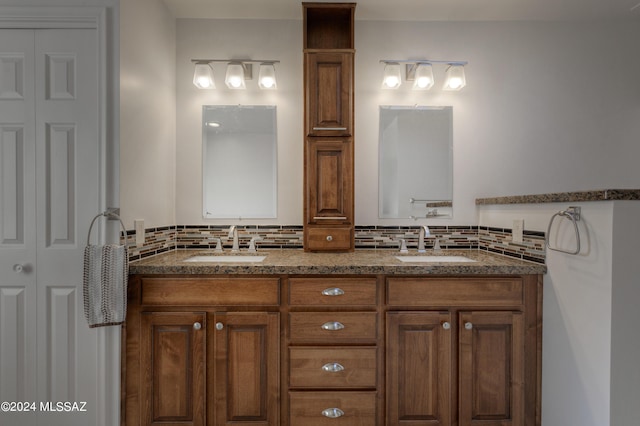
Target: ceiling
{"x": 420, "y": 10}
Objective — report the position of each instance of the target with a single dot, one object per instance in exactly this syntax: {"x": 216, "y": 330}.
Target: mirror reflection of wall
{"x": 415, "y": 162}
{"x": 239, "y": 165}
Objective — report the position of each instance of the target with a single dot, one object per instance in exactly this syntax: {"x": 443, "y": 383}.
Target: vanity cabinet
{"x": 460, "y": 358}
{"x": 202, "y": 351}
{"x": 367, "y": 350}
{"x": 328, "y": 124}
{"x": 334, "y": 338}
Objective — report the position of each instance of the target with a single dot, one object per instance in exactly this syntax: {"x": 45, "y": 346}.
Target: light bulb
{"x": 392, "y": 77}
{"x": 267, "y": 77}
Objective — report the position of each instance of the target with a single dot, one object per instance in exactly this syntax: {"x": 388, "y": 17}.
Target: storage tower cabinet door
{"x": 418, "y": 371}
{"x": 491, "y": 369}
{"x": 173, "y": 373}
{"x": 329, "y": 93}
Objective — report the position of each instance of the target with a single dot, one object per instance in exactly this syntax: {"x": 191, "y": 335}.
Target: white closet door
{"x": 17, "y": 219}
{"x": 62, "y": 168}
{"x": 67, "y": 187}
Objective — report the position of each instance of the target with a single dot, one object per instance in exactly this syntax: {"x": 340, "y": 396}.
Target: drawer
{"x": 351, "y": 408}
{"x": 332, "y": 291}
{"x": 333, "y": 327}
{"x": 332, "y": 367}
{"x": 454, "y": 291}
{"x": 329, "y": 238}
{"x": 211, "y": 291}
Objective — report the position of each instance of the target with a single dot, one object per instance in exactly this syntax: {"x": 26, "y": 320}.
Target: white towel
{"x": 106, "y": 270}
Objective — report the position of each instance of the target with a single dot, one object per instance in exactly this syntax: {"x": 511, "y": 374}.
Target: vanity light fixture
{"x": 267, "y": 76}
{"x": 203, "y": 76}
{"x": 420, "y": 71}
{"x": 392, "y": 76}
{"x": 455, "y": 78}
{"x": 235, "y": 76}
{"x": 238, "y": 72}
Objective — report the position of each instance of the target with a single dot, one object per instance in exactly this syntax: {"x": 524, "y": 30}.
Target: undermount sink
{"x": 227, "y": 259}
{"x": 433, "y": 259}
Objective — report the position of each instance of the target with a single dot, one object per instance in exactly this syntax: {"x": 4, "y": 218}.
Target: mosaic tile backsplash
{"x": 495, "y": 240}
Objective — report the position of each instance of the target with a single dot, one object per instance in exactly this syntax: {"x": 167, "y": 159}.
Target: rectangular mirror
{"x": 415, "y": 162}
{"x": 239, "y": 166}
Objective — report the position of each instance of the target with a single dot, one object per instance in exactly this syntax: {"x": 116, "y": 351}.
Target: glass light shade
{"x": 423, "y": 77}
{"x": 267, "y": 77}
{"x": 235, "y": 76}
{"x": 455, "y": 79}
{"x": 203, "y": 76}
{"x": 392, "y": 77}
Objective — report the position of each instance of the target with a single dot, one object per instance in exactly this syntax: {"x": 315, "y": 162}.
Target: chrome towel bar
{"x": 573, "y": 214}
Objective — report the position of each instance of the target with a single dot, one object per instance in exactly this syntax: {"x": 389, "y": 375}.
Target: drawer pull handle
{"x": 332, "y": 325}
{"x": 330, "y": 128}
{"x": 333, "y": 291}
{"x": 332, "y": 367}
{"x": 329, "y": 218}
{"x": 332, "y": 413}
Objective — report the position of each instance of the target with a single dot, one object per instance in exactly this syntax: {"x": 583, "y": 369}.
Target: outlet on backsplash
{"x": 517, "y": 230}
{"x": 138, "y": 225}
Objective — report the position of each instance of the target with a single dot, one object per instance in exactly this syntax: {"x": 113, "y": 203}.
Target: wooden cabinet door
{"x": 246, "y": 371}
{"x": 172, "y": 353}
{"x": 418, "y": 368}
{"x": 491, "y": 368}
{"x": 329, "y": 173}
{"x": 329, "y": 93}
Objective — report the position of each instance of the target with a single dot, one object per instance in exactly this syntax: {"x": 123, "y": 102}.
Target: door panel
{"x": 17, "y": 217}
{"x": 246, "y": 369}
{"x": 418, "y": 368}
{"x": 491, "y": 368}
{"x": 49, "y": 192}
{"x": 173, "y": 385}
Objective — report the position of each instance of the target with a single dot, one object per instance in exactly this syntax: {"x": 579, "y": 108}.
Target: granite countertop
{"x": 563, "y": 197}
{"x": 358, "y": 262}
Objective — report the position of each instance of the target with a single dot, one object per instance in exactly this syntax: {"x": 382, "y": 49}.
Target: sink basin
{"x": 226, "y": 259}
{"x": 434, "y": 259}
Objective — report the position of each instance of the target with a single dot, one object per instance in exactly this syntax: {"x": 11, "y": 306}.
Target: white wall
{"x": 549, "y": 106}
{"x": 147, "y": 113}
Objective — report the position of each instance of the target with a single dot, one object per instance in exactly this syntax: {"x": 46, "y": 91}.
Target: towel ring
{"x": 109, "y": 214}
{"x": 573, "y": 214}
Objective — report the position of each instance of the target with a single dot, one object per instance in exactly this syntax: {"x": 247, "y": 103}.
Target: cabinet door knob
{"x": 333, "y": 291}
{"x": 18, "y": 268}
{"x": 446, "y": 325}
{"x": 468, "y": 325}
{"x": 329, "y": 238}
{"x": 332, "y": 325}
{"x": 332, "y": 413}
{"x": 219, "y": 326}
{"x": 332, "y": 367}
{"x": 197, "y": 326}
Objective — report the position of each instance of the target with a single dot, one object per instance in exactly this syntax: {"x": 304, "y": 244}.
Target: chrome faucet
{"x": 424, "y": 232}
{"x": 233, "y": 233}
